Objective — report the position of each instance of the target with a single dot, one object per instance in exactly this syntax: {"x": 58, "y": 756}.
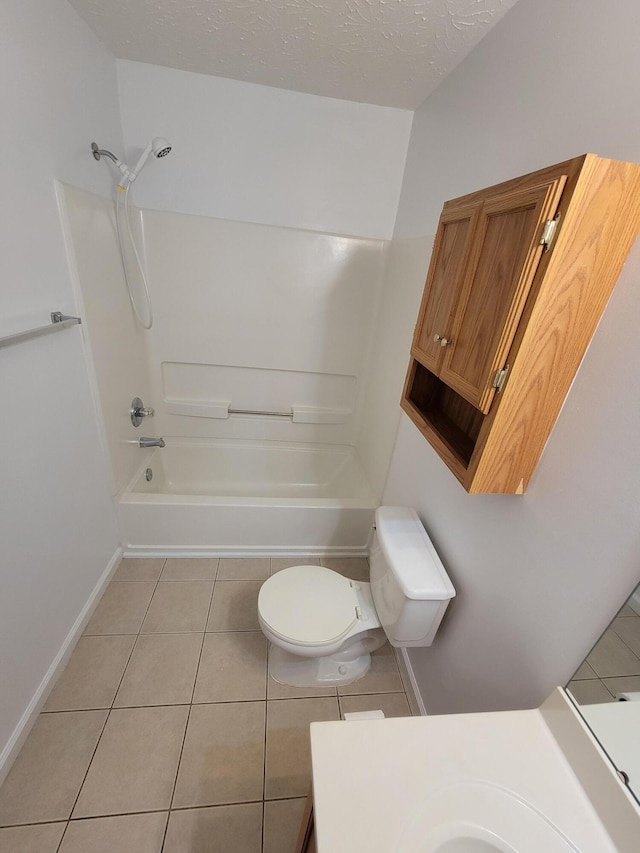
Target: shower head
{"x": 159, "y": 147}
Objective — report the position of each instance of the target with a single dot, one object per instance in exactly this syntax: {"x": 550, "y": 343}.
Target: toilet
{"x": 323, "y": 627}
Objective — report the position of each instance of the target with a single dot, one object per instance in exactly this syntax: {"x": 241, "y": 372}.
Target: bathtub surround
{"x": 550, "y": 81}
{"x": 59, "y": 534}
{"x": 244, "y": 327}
{"x": 264, "y": 318}
{"x": 267, "y": 316}
{"x": 117, "y": 350}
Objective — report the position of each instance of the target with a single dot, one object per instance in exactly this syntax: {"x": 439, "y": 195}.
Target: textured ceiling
{"x": 387, "y": 52}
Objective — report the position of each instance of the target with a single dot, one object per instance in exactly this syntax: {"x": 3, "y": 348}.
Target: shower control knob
{"x": 138, "y": 411}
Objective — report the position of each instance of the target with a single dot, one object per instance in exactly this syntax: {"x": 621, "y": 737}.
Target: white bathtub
{"x": 237, "y": 497}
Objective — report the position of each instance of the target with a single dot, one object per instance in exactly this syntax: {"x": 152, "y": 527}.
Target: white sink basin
{"x": 474, "y": 816}
{"x": 495, "y": 782}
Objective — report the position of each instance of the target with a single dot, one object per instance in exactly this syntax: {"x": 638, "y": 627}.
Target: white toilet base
{"x": 312, "y": 672}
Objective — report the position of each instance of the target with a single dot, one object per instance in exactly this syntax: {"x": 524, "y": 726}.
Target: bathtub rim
{"x": 145, "y": 517}
{"x": 127, "y": 495}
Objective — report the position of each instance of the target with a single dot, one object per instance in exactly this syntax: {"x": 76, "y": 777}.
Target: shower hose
{"x": 131, "y": 261}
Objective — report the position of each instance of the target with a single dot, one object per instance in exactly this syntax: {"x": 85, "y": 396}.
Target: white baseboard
{"x": 21, "y": 731}
{"x": 410, "y": 684}
{"x": 134, "y": 552}
{"x": 634, "y": 602}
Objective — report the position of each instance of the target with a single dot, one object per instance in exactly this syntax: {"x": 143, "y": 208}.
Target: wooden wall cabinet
{"x": 519, "y": 277}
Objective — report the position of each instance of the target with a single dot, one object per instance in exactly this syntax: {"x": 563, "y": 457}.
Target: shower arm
{"x": 102, "y": 152}
{"x": 158, "y": 147}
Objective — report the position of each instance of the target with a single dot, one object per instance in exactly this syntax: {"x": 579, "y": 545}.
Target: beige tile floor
{"x": 165, "y": 733}
{"x": 613, "y": 665}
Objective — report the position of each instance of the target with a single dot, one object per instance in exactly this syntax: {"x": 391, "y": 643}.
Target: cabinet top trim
{"x": 567, "y": 167}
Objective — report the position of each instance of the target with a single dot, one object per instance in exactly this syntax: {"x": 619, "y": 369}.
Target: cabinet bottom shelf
{"x": 447, "y": 420}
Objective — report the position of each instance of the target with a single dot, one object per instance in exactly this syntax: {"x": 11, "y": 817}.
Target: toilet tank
{"x": 409, "y": 584}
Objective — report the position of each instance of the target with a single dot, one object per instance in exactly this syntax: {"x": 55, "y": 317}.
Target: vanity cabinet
{"x": 519, "y": 276}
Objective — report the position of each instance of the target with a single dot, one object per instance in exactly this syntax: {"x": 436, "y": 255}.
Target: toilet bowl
{"x": 323, "y": 627}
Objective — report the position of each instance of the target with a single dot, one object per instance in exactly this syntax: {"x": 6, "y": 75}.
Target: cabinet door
{"x": 505, "y": 254}
{"x": 451, "y": 253}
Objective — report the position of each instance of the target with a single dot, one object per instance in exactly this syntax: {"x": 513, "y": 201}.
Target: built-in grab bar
{"x": 255, "y": 412}
{"x": 298, "y": 413}
{"x": 58, "y": 321}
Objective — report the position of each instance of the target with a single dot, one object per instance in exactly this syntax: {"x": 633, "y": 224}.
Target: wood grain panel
{"x": 507, "y": 252}
{"x": 600, "y": 225}
{"x": 543, "y": 336}
{"x": 450, "y": 255}
{"x": 455, "y": 421}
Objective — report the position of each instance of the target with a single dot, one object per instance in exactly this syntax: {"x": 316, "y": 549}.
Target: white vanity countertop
{"x": 372, "y": 777}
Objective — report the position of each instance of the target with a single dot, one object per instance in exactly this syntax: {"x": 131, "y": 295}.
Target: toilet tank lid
{"x": 406, "y": 546}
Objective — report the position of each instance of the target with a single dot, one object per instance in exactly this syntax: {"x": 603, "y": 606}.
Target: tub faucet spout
{"x": 151, "y": 442}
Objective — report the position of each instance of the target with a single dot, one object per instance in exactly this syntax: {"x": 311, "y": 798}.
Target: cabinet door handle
{"x": 444, "y": 342}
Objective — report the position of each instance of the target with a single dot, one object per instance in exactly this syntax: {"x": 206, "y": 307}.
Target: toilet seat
{"x": 308, "y": 606}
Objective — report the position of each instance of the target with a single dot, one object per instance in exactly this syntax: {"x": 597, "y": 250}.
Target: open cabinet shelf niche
{"x": 519, "y": 277}
{"x": 450, "y": 418}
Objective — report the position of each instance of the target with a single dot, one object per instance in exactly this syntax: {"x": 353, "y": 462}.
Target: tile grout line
{"x": 190, "y": 705}
{"x": 135, "y": 642}
{"x": 186, "y": 728}
{"x": 622, "y": 640}
{"x": 86, "y": 773}
{"x": 253, "y": 802}
{"x": 204, "y": 634}
{"x": 106, "y": 719}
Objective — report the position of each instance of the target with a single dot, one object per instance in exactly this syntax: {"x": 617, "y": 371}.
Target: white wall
{"x": 538, "y": 577}
{"x": 58, "y": 531}
{"x": 258, "y": 154}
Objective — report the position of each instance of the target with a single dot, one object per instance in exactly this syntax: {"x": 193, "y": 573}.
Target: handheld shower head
{"x": 133, "y": 272}
{"x": 159, "y": 147}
